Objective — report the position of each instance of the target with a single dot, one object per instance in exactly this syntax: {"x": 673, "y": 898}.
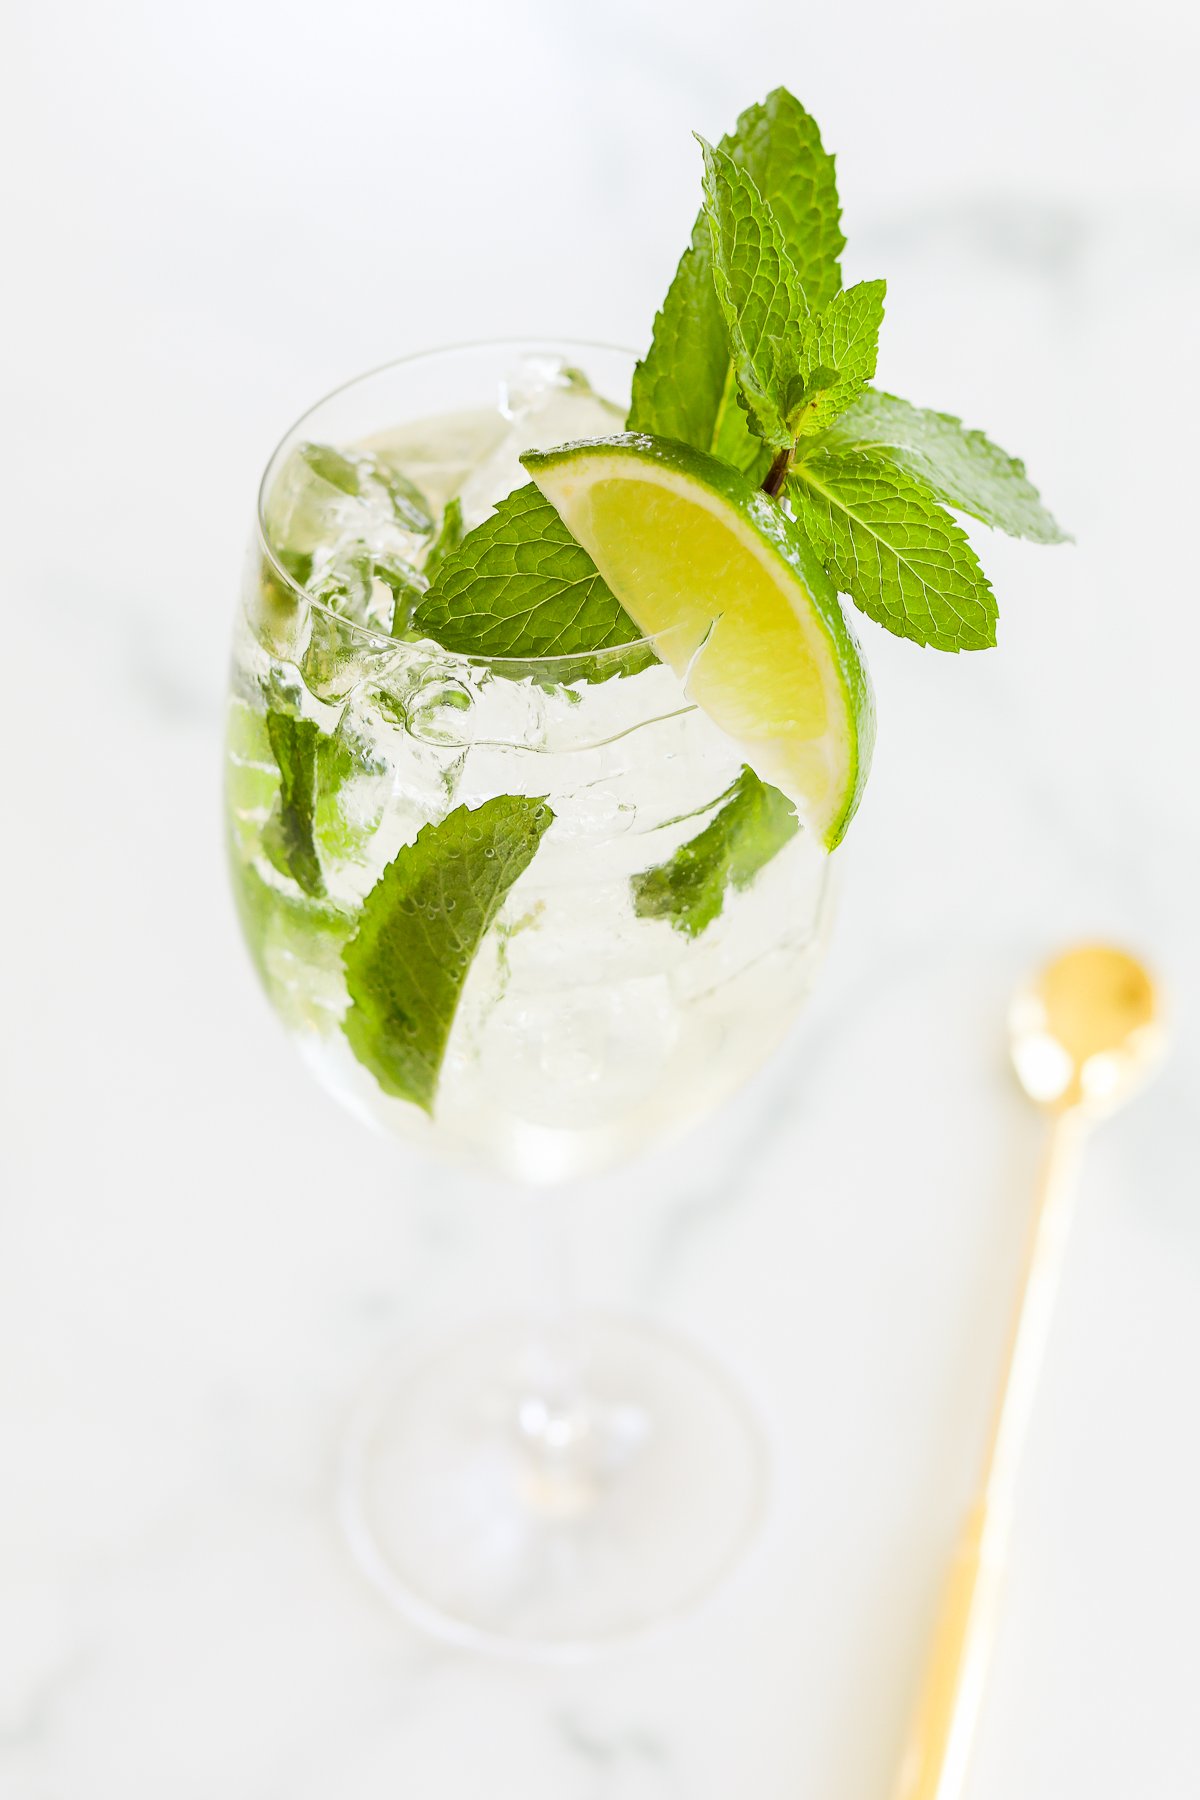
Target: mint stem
{"x": 777, "y": 473}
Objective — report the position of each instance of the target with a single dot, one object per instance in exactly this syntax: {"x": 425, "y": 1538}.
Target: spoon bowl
{"x": 1087, "y": 1031}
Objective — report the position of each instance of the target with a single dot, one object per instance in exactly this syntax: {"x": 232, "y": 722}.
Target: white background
{"x": 211, "y": 215}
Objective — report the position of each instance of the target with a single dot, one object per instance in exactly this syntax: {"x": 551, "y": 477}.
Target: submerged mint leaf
{"x": 682, "y": 387}
{"x": 330, "y": 464}
{"x": 520, "y": 587}
{"x": 450, "y": 536}
{"x": 359, "y": 475}
{"x": 688, "y": 891}
{"x": 404, "y": 583}
{"x": 889, "y": 544}
{"x": 350, "y": 796}
{"x": 419, "y": 930}
{"x": 410, "y": 508}
{"x": 963, "y": 468}
{"x": 287, "y": 837}
{"x": 758, "y": 291}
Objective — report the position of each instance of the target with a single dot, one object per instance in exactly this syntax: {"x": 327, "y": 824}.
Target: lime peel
{"x": 737, "y": 603}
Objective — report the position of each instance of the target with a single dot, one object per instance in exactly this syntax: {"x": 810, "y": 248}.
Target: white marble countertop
{"x": 216, "y": 213}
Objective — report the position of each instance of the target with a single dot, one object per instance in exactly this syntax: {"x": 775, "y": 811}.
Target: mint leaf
{"x": 520, "y": 587}
{"x": 361, "y": 476}
{"x": 779, "y": 146}
{"x": 338, "y": 470}
{"x": 757, "y": 289}
{"x": 419, "y": 929}
{"x": 963, "y": 468}
{"x": 797, "y": 369}
{"x": 449, "y": 537}
{"x": 350, "y": 798}
{"x": 837, "y": 354}
{"x": 736, "y": 442}
{"x": 404, "y": 582}
{"x": 682, "y": 388}
{"x": 287, "y": 837}
{"x": 688, "y": 891}
{"x": 887, "y": 543}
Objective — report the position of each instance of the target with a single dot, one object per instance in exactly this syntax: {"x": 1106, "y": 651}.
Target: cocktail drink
{"x": 580, "y": 980}
{"x": 541, "y": 733}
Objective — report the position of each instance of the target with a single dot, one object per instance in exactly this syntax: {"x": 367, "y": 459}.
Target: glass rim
{"x": 382, "y": 640}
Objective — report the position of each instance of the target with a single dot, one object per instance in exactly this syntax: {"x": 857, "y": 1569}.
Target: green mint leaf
{"x": 450, "y": 536}
{"x": 404, "y": 583}
{"x": 350, "y": 804}
{"x": 838, "y": 349}
{"x": 688, "y": 891}
{"x": 287, "y": 837}
{"x": 758, "y": 291}
{"x": 338, "y": 470}
{"x": 341, "y": 779}
{"x": 887, "y": 542}
{"x": 520, "y": 587}
{"x": 419, "y": 930}
{"x": 962, "y": 467}
{"x": 410, "y": 509}
{"x": 682, "y": 388}
{"x": 362, "y": 476}
{"x": 736, "y": 441}
{"x": 779, "y": 145}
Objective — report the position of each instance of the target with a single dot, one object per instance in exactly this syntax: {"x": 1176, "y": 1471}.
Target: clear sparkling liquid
{"x": 583, "y": 1031}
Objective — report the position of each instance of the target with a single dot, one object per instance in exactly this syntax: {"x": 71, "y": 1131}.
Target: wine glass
{"x": 531, "y": 916}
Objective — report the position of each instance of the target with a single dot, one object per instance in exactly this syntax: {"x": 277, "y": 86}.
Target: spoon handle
{"x": 935, "y": 1762}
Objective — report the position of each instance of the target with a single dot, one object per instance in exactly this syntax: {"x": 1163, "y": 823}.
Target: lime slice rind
{"x": 725, "y": 583}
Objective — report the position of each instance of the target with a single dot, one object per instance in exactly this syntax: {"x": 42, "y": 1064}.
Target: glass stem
{"x": 553, "y": 1416}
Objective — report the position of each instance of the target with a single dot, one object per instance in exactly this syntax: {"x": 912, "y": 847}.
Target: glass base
{"x": 501, "y": 1502}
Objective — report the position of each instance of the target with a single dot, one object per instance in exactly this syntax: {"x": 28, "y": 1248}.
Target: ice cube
{"x": 438, "y": 454}
{"x": 324, "y": 499}
{"x": 343, "y": 579}
{"x": 579, "y": 1056}
{"x": 354, "y": 601}
{"x": 546, "y": 402}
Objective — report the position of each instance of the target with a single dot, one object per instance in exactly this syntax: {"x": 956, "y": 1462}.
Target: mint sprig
{"x": 796, "y": 369}
{"x": 418, "y": 933}
{"x": 684, "y": 388}
{"x": 689, "y": 890}
{"x": 873, "y": 475}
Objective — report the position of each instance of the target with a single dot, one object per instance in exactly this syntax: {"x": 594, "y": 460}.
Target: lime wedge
{"x": 738, "y": 604}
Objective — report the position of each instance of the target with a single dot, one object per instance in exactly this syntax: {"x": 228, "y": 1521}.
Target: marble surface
{"x": 213, "y": 215}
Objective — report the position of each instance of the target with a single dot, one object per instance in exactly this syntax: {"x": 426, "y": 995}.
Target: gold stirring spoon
{"x": 1085, "y": 1034}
